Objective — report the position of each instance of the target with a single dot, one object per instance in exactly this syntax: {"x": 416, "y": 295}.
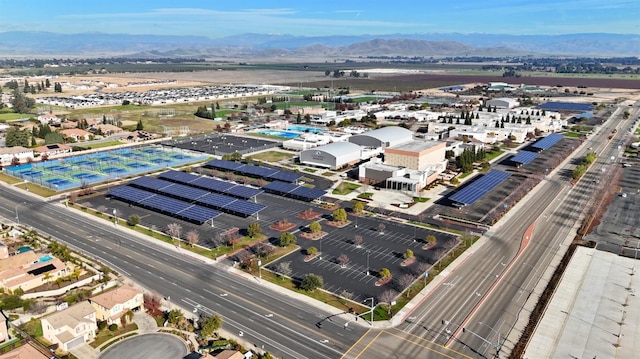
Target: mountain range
{"x": 255, "y": 46}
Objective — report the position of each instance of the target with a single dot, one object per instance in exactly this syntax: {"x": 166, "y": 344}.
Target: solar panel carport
{"x": 211, "y": 184}
{"x": 163, "y": 204}
{"x": 480, "y": 187}
{"x": 267, "y": 173}
{"x": 547, "y": 142}
{"x": 290, "y": 190}
{"x": 524, "y": 157}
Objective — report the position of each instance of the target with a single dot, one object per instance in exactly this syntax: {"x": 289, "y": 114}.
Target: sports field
{"x": 74, "y": 172}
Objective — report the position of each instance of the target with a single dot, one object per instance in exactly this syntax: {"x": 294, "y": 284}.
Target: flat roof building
{"x": 383, "y": 137}
{"x": 333, "y": 156}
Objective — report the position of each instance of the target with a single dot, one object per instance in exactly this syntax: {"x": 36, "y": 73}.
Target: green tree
{"x": 139, "y": 126}
{"x": 340, "y": 215}
{"x": 133, "y": 220}
{"x": 384, "y": 273}
{"x": 21, "y": 103}
{"x": 254, "y": 229}
{"x": 174, "y": 316}
{"x": 47, "y": 83}
{"x": 311, "y": 251}
{"x": 311, "y": 281}
{"x": 287, "y": 239}
{"x": 209, "y": 324}
{"x": 358, "y": 207}
{"x": 314, "y": 227}
{"x": 26, "y": 89}
{"x": 408, "y": 254}
{"x": 430, "y": 239}
{"x": 17, "y": 137}
{"x": 53, "y": 137}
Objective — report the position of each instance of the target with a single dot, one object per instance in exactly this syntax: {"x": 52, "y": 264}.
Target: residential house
{"x": 108, "y": 129}
{"x": 110, "y": 306}
{"x": 21, "y": 154}
{"x": 28, "y": 351}
{"x": 28, "y": 271}
{"x": 49, "y": 118}
{"x": 76, "y": 134}
{"x": 53, "y": 149}
{"x": 71, "y": 327}
{"x": 230, "y": 354}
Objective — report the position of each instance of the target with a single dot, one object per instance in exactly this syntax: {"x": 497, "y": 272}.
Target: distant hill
{"x": 43, "y": 44}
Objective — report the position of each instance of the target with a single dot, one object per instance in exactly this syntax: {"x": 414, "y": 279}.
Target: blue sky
{"x": 318, "y": 18}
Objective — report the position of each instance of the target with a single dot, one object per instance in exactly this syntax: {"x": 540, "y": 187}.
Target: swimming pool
{"x": 23, "y": 249}
{"x": 305, "y": 129}
{"x": 46, "y": 258}
{"x": 278, "y": 133}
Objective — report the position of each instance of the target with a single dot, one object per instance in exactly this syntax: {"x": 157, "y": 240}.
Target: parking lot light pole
{"x": 368, "y": 253}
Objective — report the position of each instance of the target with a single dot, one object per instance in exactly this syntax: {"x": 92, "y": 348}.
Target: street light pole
{"x": 371, "y": 308}
{"x": 16, "y": 209}
{"x": 368, "y": 253}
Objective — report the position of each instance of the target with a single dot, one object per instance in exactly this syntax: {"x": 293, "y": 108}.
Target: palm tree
{"x": 47, "y": 277}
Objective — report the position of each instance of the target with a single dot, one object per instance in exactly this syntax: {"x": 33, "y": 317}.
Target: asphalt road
{"x": 290, "y": 332}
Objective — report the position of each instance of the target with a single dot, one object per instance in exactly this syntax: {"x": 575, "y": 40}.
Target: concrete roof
{"x": 594, "y": 312}
{"x": 18, "y": 260}
{"x": 416, "y": 145}
{"x": 337, "y": 149}
{"x": 14, "y": 149}
{"x": 27, "y": 351}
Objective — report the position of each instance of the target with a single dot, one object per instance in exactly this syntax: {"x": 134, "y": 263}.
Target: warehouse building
{"x": 333, "y": 156}
{"x": 383, "y": 137}
{"x": 503, "y": 102}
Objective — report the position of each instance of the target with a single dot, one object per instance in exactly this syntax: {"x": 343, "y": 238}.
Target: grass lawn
{"x": 328, "y": 173}
{"x": 310, "y": 170}
{"x": 9, "y": 116}
{"x": 365, "y": 195}
{"x": 105, "y": 334}
{"x": 572, "y": 134}
{"x": 420, "y": 199}
{"x": 33, "y": 328}
{"x": 37, "y": 189}
{"x": 9, "y": 179}
{"x": 465, "y": 175}
{"x": 346, "y": 188}
{"x": 271, "y": 156}
{"x": 490, "y": 155}
{"x": 101, "y": 144}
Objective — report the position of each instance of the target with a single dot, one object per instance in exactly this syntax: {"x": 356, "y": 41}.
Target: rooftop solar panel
{"x": 285, "y": 176}
{"x": 524, "y": 157}
{"x": 166, "y": 204}
{"x": 185, "y": 192}
{"x": 199, "y": 213}
{"x": 480, "y": 187}
{"x": 548, "y": 141}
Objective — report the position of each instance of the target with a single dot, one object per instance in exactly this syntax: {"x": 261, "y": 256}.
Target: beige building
{"x": 27, "y": 351}
{"x": 415, "y": 154}
{"x": 110, "y": 306}
{"x": 28, "y": 271}
{"x": 71, "y": 327}
{"x": 7, "y": 154}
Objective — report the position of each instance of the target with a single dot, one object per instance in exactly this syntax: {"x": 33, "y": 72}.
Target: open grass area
{"x": 572, "y": 134}
{"x": 37, "y": 189}
{"x": 9, "y": 179}
{"x": 10, "y": 116}
{"x": 310, "y": 170}
{"x": 328, "y": 173}
{"x": 105, "y": 334}
{"x": 270, "y": 156}
{"x": 420, "y": 199}
{"x": 33, "y": 328}
{"x": 345, "y": 188}
{"x": 490, "y": 155}
{"x": 102, "y": 144}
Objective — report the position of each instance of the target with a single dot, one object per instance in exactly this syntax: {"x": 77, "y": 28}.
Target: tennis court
{"x": 74, "y": 172}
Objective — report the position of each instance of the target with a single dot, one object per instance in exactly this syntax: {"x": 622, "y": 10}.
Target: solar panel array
{"x": 480, "y": 187}
{"x": 163, "y": 204}
{"x": 198, "y": 196}
{"x": 211, "y": 184}
{"x": 566, "y": 106}
{"x": 548, "y": 141}
{"x": 295, "y": 191}
{"x": 524, "y": 157}
{"x": 270, "y": 174}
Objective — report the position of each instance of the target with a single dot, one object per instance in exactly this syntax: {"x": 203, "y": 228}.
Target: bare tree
{"x": 387, "y": 297}
{"x": 358, "y": 240}
{"x": 381, "y": 228}
{"x": 346, "y": 294}
{"x": 174, "y": 230}
{"x": 263, "y": 249}
{"x": 261, "y": 182}
{"x": 343, "y": 259}
{"x": 217, "y": 239}
{"x": 193, "y": 237}
{"x": 284, "y": 268}
{"x": 405, "y": 281}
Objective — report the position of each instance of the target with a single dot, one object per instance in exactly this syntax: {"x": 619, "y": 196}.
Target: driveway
{"x": 85, "y": 351}
{"x": 145, "y": 322}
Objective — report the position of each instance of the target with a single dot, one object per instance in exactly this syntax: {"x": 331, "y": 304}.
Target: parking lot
{"x": 223, "y": 144}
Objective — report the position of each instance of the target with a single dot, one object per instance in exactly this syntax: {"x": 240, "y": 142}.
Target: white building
{"x": 503, "y": 102}
{"x": 383, "y": 137}
{"x": 71, "y": 327}
{"x": 333, "y": 156}
{"x": 7, "y": 154}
